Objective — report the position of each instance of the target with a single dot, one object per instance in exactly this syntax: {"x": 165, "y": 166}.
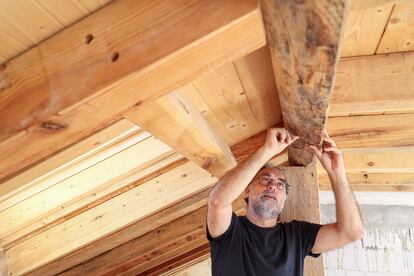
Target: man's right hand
{"x": 277, "y": 139}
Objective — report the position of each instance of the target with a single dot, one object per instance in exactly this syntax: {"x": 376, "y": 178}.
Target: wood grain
{"x": 210, "y": 45}
{"x": 303, "y": 204}
{"x": 303, "y": 38}
{"x": 177, "y": 122}
{"x": 374, "y": 85}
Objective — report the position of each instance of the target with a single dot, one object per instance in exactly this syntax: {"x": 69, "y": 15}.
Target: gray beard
{"x": 267, "y": 209}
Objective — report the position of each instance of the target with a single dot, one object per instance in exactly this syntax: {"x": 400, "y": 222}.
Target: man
{"x": 258, "y": 244}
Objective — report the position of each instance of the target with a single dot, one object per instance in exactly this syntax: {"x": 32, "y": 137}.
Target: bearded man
{"x": 257, "y": 244}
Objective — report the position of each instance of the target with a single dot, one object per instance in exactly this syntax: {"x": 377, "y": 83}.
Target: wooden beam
{"x": 303, "y": 38}
{"x": 177, "y": 122}
{"x": 388, "y": 131}
{"x": 303, "y": 204}
{"x": 154, "y": 248}
{"x": 374, "y": 85}
{"x": 360, "y": 5}
{"x": 108, "y": 217}
{"x": 153, "y": 67}
{"x": 65, "y": 197}
{"x": 378, "y": 160}
{"x": 374, "y": 182}
{"x": 71, "y": 161}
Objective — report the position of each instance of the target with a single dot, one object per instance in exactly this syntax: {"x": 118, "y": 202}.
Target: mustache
{"x": 271, "y": 194}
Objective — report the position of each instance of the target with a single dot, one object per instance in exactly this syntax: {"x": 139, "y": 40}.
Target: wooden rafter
{"x": 226, "y": 34}
{"x": 303, "y": 38}
{"x": 178, "y": 123}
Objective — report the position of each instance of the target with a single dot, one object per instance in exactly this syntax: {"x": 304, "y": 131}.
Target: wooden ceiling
{"x": 96, "y": 140}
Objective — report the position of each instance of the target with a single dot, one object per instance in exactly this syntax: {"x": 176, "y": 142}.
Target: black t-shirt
{"x": 247, "y": 249}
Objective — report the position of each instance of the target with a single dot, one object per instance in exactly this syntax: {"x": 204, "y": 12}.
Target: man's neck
{"x": 259, "y": 221}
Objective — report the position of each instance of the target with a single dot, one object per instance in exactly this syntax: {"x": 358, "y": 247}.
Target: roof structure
{"x": 118, "y": 117}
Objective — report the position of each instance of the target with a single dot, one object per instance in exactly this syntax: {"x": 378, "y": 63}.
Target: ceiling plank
{"x": 374, "y": 85}
{"x": 303, "y": 38}
{"x": 100, "y": 146}
{"x": 399, "y": 33}
{"x": 386, "y": 131}
{"x": 378, "y": 160}
{"x": 363, "y": 30}
{"x": 374, "y": 182}
{"x": 108, "y": 217}
{"x": 303, "y": 204}
{"x": 177, "y": 122}
{"x": 235, "y": 30}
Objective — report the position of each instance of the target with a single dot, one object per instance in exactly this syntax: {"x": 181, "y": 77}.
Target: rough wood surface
{"x": 303, "y": 37}
{"x": 177, "y": 122}
{"x": 226, "y": 34}
{"x": 303, "y": 204}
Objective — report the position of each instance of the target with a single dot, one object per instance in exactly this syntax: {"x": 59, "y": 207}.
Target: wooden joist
{"x": 146, "y": 68}
{"x": 303, "y": 204}
{"x": 154, "y": 248}
{"x": 71, "y": 161}
{"x": 65, "y": 197}
{"x": 108, "y": 217}
{"x": 375, "y": 182}
{"x": 371, "y": 131}
{"x": 177, "y": 122}
{"x": 303, "y": 38}
{"x": 374, "y": 85}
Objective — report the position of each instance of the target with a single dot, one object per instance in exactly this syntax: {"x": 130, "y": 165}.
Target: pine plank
{"x": 65, "y": 164}
{"x": 55, "y": 202}
{"x": 374, "y": 182}
{"x": 399, "y": 33}
{"x": 107, "y": 217}
{"x": 177, "y": 122}
{"x": 240, "y": 22}
{"x": 303, "y": 38}
{"x": 363, "y": 30}
{"x": 374, "y": 85}
{"x": 378, "y": 160}
{"x": 387, "y": 131}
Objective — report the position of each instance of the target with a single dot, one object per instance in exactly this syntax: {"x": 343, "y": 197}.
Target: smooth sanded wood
{"x": 303, "y": 204}
{"x": 372, "y": 131}
{"x": 108, "y": 217}
{"x": 177, "y": 122}
{"x": 374, "y": 182}
{"x": 80, "y": 156}
{"x": 227, "y": 33}
{"x": 374, "y": 85}
{"x": 304, "y": 38}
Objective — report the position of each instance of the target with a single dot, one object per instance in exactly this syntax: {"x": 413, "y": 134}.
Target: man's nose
{"x": 272, "y": 186}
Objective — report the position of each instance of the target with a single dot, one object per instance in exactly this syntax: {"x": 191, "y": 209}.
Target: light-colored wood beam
{"x": 71, "y": 161}
{"x": 108, "y": 217}
{"x": 177, "y": 122}
{"x": 375, "y": 182}
{"x": 303, "y": 204}
{"x": 303, "y": 38}
{"x": 372, "y": 131}
{"x": 152, "y": 68}
{"x": 374, "y": 85}
{"x": 3, "y": 264}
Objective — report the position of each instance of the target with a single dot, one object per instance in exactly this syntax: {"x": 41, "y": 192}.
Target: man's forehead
{"x": 273, "y": 172}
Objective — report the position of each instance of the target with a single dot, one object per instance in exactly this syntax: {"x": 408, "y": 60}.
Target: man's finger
{"x": 332, "y": 149}
{"x": 329, "y": 141}
{"x": 316, "y": 151}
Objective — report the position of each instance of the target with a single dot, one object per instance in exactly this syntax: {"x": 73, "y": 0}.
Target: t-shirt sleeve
{"x": 309, "y": 231}
{"x": 226, "y": 233}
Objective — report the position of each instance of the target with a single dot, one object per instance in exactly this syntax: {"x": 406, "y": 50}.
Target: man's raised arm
{"x": 228, "y": 188}
{"x": 349, "y": 226}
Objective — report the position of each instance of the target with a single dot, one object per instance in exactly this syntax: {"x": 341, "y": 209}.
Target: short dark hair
{"x": 269, "y": 165}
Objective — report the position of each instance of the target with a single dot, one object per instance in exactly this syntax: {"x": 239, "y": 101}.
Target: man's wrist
{"x": 338, "y": 177}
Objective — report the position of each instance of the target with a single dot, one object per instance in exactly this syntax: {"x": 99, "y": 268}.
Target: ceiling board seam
{"x": 385, "y": 29}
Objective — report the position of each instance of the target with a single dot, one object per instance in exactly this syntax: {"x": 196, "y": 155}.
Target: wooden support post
{"x": 303, "y": 37}
{"x": 303, "y": 204}
{"x": 177, "y": 122}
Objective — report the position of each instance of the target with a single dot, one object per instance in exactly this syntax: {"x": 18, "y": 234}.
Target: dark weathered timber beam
{"x": 303, "y": 37}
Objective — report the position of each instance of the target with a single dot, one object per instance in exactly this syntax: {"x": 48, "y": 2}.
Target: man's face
{"x": 266, "y": 194}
